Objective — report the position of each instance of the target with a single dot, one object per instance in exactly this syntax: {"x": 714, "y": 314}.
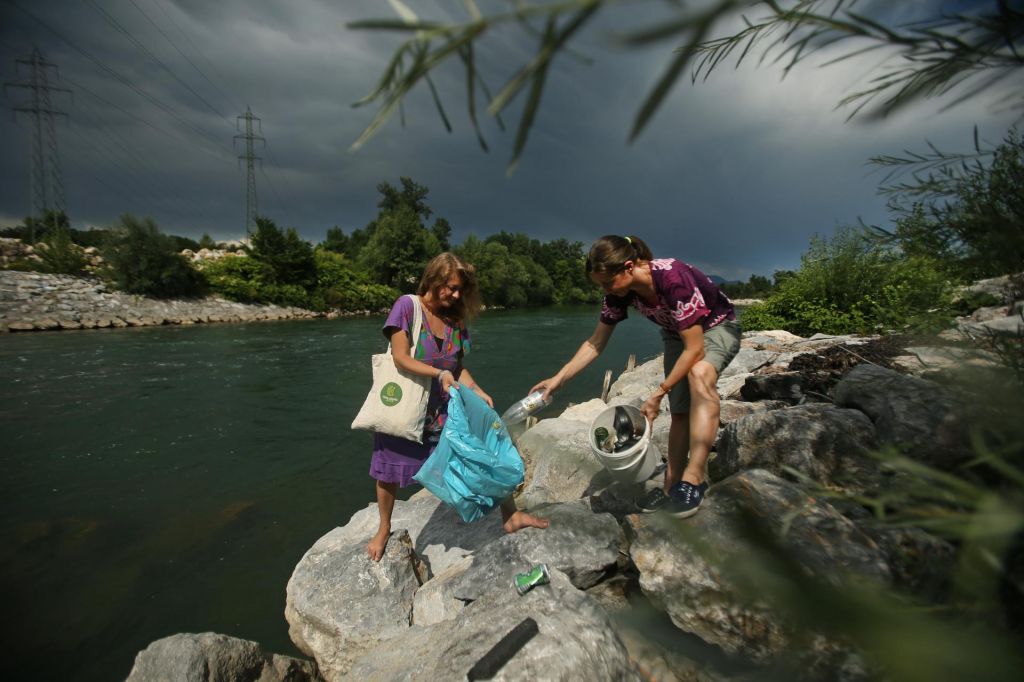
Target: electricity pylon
{"x": 250, "y": 165}
{"x": 45, "y": 180}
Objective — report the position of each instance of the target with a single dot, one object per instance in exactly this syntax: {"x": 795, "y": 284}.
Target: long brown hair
{"x": 609, "y": 253}
{"x": 436, "y": 275}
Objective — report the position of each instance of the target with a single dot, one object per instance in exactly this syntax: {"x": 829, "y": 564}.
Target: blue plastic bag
{"x": 475, "y": 465}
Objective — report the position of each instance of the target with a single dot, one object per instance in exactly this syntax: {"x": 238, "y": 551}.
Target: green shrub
{"x": 60, "y": 255}
{"x": 341, "y": 286}
{"x": 852, "y": 284}
{"x": 247, "y": 280}
{"x": 288, "y": 257}
{"x": 143, "y": 261}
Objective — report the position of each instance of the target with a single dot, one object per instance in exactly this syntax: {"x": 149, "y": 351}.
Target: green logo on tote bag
{"x": 391, "y": 394}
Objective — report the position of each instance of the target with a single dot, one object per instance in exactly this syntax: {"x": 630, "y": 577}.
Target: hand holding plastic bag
{"x": 475, "y": 465}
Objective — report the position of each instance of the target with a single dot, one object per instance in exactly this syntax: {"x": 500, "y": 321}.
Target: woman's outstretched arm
{"x": 587, "y": 353}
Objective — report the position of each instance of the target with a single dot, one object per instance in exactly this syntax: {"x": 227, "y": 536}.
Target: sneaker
{"x": 652, "y": 501}
{"x": 684, "y": 499}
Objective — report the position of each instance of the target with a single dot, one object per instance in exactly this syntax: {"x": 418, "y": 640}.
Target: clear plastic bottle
{"x": 524, "y": 408}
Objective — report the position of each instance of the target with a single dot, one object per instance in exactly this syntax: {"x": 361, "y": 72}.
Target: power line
{"x": 178, "y": 50}
{"x": 122, "y": 79}
{"x": 127, "y": 34}
{"x": 236, "y": 103}
{"x": 138, "y": 118}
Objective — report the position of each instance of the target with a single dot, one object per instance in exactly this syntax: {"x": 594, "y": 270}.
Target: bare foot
{"x": 375, "y": 548}
{"x": 521, "y": 519}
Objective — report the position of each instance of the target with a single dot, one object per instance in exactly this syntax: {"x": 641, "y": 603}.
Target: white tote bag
{"x": 397, "y": 403}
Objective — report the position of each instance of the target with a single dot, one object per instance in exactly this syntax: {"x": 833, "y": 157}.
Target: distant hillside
{"x": 722, "y": 280}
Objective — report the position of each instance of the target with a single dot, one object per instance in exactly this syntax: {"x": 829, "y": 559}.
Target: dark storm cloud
{"x": 734, "y": 174}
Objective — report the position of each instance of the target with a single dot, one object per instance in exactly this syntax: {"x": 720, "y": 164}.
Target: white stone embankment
{"x": 32, "y": 301}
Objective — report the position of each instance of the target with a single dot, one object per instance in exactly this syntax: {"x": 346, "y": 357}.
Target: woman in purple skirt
{"x": 449, "y": 297}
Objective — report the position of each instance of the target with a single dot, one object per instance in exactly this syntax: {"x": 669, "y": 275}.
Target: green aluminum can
{"x": 538, "y": 575}
{"x": 600, "y": 435}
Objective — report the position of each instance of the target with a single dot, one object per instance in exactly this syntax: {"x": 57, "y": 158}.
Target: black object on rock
{"x": 502, "y": 652}
{"x": 625, "y": 430}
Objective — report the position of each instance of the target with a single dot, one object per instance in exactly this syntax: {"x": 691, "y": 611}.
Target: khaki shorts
{"x": 721, "y": 344}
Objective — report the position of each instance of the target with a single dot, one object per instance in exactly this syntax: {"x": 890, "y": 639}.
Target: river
{"x": 168, "y": 479}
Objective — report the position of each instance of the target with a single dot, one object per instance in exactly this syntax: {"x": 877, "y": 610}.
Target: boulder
{"x": 921, "y": 562}
{"x": 583, "y": 545}
{"x": 913, "y": 414}
{"x": 641, "y": 380}
{"x": 575, "y": 640}
{"x": 559, "y": 463}
{"x": 209, "y": 657}
{"x": 748, "y": 360}
{"x": 702, "y": 597}
{"x": 731, "y": 410}
{"x": 439, "y": 536}
{"x": 775, "y": 339}
{"x": 340, "y": 603}
{"x": 829, "y": 444}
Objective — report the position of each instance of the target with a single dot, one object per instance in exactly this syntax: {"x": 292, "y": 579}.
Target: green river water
{"x": 168, "y": 479}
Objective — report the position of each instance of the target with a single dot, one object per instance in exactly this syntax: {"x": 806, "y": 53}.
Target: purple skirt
{"x": 396, "y": 460}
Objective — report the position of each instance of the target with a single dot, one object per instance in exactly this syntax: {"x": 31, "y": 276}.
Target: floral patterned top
{"x": 686, "y": 296}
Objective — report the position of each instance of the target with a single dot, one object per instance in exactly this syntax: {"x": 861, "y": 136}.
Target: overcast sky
{"x": 733, "y": 175}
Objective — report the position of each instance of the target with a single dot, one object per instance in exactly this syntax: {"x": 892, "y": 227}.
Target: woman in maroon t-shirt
{"x": 701, "y": 336}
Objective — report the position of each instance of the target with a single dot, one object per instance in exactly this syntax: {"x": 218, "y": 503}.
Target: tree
{"x": 972, "y": 50}
{"x": 142, "y": 260}
{"x": 207, "y": 242}
{"x": 412, "y": 194}
{"x": 442, "y": 231}
{"x": 335, "y": 241}
{"x": 399, "y": 249}
{"x": 396, "y": 245}
{"x": 288, "y": 257}
{"x": 967, "y": 212}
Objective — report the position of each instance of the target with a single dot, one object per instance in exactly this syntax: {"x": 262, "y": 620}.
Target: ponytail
{"x": 610, "y": 253}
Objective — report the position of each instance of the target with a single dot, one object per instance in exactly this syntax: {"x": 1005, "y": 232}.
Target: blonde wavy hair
{"x": 436, "y": 275}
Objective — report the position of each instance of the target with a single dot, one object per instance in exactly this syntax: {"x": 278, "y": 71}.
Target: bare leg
{"x": 705, "y": 409}
{"x": 385, "y": 505}
{"x": 515, "y": 520}
{"x": 678, "y": 445}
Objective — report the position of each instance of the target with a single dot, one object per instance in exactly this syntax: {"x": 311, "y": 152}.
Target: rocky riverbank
{"x": 632, "y": 596}
{"x": 33, "y": 301}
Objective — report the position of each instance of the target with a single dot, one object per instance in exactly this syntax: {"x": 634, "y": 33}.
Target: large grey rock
{"x": 921, "y": 360}
{"x": 702, "y": 597}
{"x": 913, "y": 414}
{"x": 827, "y": 443}
{"x": 775, "y": 339}
{"x": 1007, "y": 325}
{"x": 921, "y": 562}
{"x": 641, "y": 380}
{"x": 560, "y": 465}
{"x": 583, "y": 545}
{"x": 575, "y": 640}
{"x": 341, "y": 603}
{"x": 209, "y": 657}
{"x": 746, "y": 361}
{"x": 731, "y": 410}
{"x": 439, "y": 535}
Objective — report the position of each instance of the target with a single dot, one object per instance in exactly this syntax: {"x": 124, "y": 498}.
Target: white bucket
{"x": 636, "y": 463}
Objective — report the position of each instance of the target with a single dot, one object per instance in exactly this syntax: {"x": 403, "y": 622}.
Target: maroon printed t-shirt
{"x": 686, "y": 296}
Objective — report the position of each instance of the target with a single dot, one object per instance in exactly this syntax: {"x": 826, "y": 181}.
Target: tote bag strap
{"x": 417, "y": 324}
